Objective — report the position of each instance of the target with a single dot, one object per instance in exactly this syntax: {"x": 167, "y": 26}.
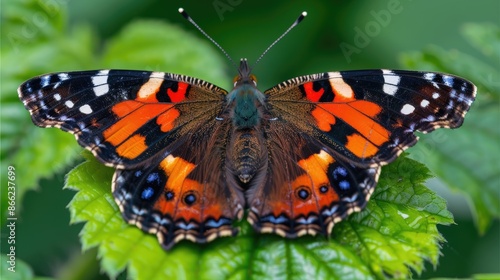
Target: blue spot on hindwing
{"x": 147, "y": 193}
{"x": 216, "y": 224}
{"x": 275, "y": 220}
{"x": 339, "y": 171}
{"x": 153, "y": 177}
{"x": 344, "y": 185}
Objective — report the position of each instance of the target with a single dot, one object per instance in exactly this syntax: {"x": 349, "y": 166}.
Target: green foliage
{"x": 454, "y": 156}
{"x": 20, "y": 271}
{"x": 397, "y": 231}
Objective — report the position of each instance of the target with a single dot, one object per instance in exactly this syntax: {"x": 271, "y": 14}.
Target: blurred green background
{"x": 245, "y": 29}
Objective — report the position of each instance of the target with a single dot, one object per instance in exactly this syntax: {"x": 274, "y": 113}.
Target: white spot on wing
{"x": 340, "y": 87}
{"x": 424, "y": 103}
{"x": 435, "y": 95}
{"x": 158, "y": 75}
{"x": 447, "y": 80}
{"x": 86, "y": 109}
{"x": 429, "y": 76}
{"x": 63, "y": 76}
{"x": 407, "y": 109}
{"x": 100, "y": 78}
{"x": 152, "y": 86}
{"x": 390, "y": 89}
{"x": 101, "y": 90}
{"x": 100, "y": 82}
{"x": 391, "y": 82}
{"x": 429, "y": 118}
{"x": 69, "y": 104}
{"x": 57, "y": 96}
{"x": 45, "y": 80}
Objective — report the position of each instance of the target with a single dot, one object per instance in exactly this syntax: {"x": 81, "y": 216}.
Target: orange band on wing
{"x": 126, "y": 107}
{"x": 317, "y": 164}
{"x": 362, "y": 122}
{"x": 368, "y": 108}
{"x": 133, "y": 115}
{"x": 324, "y": 119}
{"x": 359, "y": 146}
{"x": 177, "y": 169}
{"x": 350, "y": 112}
{"x": 167, "y": 119}
{"x": 316, "y": 167}
{"x": 132, "y": 147}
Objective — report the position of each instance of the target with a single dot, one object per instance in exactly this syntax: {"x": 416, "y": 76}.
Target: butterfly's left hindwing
{"x": 183, "y": 194}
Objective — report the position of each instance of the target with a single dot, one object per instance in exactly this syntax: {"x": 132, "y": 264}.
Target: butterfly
{"x": 191, "y": 157}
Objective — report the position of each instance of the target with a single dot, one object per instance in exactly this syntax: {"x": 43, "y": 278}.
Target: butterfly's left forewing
{"x": 123, "y": 117}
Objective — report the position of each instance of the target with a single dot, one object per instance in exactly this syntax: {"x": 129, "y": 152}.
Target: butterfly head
{"x": 244, "y": 75}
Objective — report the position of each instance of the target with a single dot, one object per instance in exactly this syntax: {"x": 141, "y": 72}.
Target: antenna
{"x": 295, "y": 23}
{"x": 186, "y": 16}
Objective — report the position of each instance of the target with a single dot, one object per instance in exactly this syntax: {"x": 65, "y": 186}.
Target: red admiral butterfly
{"x": 190, "y": 157}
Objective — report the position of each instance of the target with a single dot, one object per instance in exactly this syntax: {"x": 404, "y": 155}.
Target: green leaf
{"x": 13, "y": 268}
{"x": 491, "y": 276}
{"x": 396, "y": 233}
{"x": 467, "y": 159}
{"x": 472, "y": 170}
{"x": 485, "y": 37}
{"x": 31, "y": 21}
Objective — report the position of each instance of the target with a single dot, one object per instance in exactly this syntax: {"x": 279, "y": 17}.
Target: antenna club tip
{"x": 301, "y": 17}
{"x": 183, "y": 13}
